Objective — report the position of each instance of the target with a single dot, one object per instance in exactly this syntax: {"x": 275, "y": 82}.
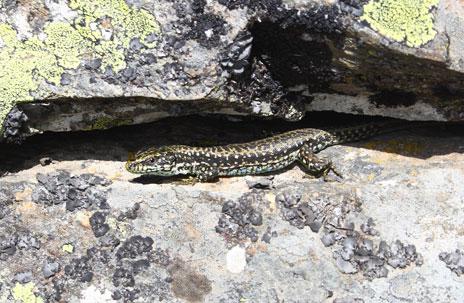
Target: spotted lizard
{"x": 256, "y": 157}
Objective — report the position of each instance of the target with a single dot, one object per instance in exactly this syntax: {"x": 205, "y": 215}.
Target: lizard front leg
{"x": 314, "y": 165}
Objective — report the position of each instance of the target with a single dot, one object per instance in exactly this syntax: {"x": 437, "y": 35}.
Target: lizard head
{"x": 154, "y": 161}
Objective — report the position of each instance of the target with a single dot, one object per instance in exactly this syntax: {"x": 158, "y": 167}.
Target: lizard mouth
{"x": 133, "y": 167}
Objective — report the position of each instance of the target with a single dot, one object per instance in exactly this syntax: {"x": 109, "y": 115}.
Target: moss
{"x": 108, "y": 122}
{"x": 408, "y": 21}
{"x": 26, "y": 64}
{"x": 24, "y": 293}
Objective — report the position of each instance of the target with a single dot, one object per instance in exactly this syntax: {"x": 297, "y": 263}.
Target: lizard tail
{"x": 360, "y": 132}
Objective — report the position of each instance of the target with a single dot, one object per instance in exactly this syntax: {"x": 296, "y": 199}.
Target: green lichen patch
{"x": 24, "y": 293}
{"x": 108, "y": 122}
{"x": 68, "y": 248}
{"x": 25, "y": 64}
{"x": 122, "y": 21}
{"x": 408, "y": 21}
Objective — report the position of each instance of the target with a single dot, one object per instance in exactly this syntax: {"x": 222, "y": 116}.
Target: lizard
{"x": 257, "y": 157}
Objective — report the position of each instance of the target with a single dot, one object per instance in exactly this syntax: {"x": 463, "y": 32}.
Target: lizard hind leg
{"x": 313, "y": 165}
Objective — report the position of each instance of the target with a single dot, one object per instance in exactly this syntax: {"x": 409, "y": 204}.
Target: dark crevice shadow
{"x": 116, "y": 144}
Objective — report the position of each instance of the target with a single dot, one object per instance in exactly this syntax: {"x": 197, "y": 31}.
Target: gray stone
{"x": 171, "y": 246}
{"x": 50, "y": 268}
{"x": 24, "y": 277}
{"x": 322, "y": 56}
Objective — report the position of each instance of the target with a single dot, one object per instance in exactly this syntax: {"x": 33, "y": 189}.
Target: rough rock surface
{"x": 389, "y": 231}
{"x": 71, "y": 65}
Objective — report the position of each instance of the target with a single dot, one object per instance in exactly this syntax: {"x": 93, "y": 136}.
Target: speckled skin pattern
{"x": 257, "y": 157}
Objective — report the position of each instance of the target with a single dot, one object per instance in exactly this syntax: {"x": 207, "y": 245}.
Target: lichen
{"x": 108, "y": 122}
{"x": 122, "y": 21}
{"x": 408, "y": 21}
{"x": 24, "y": 293}
{"x": 68, "y": 248}
{"x": 26, "y": 64}
{"x": 66, "y": 43}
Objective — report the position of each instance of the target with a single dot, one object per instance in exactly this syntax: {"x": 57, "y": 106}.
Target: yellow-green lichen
{"x": 68, "y": 248}
{"x": 408, "y": 21}
{"x": 121, "y": 20}
{"x": 25, "y": 293}
{"x": 108, "y": 122}
{"x": 25, "y": 64}
{"x": 66, "y": 43}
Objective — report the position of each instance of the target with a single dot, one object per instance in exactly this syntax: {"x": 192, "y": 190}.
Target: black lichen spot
{"x": 238, "y": 218}
{"x": 123, "y": 277}
{"x": 79, "y": 269}
{"x": 130, "y": 214}
{"x": 94, "y": 64}
{"x": 128, "y": 295}
{"x": 97, "y": 222}
{"x": 15, "y": 126}
{"x": 134, "y": 246}
{"x": 188, "y": 284}
{"x": 198, "y": 6}
{"x": 393, "y": 98}
{"x": 298, "y": 213}
{"x": 7, "y": 246}
{"x": 140, "y": 265}
{"x": 58, "y": 288}
{"x": 99, "y": 255}
{"x": 75, "y": 191}
{"x": 454, "y": 261}
{"x": 206, "y": 29}
{"x": 268, "y": 235}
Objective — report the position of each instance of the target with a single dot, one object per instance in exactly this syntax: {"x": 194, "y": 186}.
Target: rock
{"x": 167, "y": 249}
{"x": 236, "y": 260}
{"x": 45, "y": 161}
{"x": 50, "y": 268}
{"x": 24, "y": 277}
{"x": 259, "y": 183}
{"x": 269, "y": 58}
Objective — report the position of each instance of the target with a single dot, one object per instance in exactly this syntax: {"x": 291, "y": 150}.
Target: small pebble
{"x": 236, "y": 260}
{"x": 50, "y": 269}
{"x": 45, "y": 161}
{"x": 24, "y": 277}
